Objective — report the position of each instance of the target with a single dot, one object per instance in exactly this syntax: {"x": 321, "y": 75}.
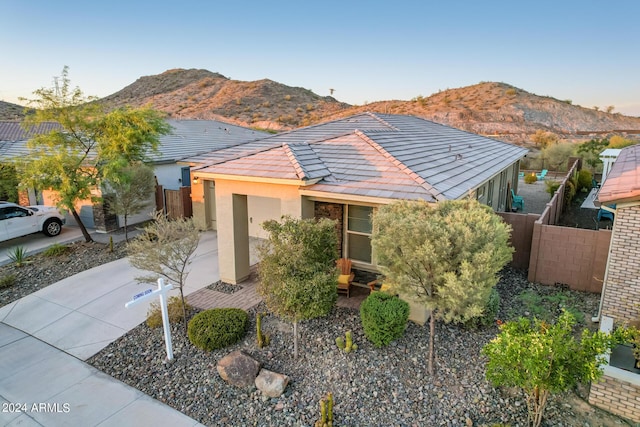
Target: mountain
{"x": 202, "y": 94}
{"x": 489, "y": 108}
{"x": 507, "y": 112}
{"x": 9, "y": 111}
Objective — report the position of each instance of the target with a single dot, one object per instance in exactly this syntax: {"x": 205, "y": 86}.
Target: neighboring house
{"x": 343, "y": 170}
{"x": 619, "y": 390}
{"x": 187, "y": 138}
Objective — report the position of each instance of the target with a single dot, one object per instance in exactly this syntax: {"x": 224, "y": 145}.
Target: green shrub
{"x": 17, "y": 255}
{"x": 384, "y": 318}
{"x": 584, "y": 180}
{"x": 489, "y": 314}
{"x": 217, "y": 328}
{"x": 7, "y": 281}
{"x": 56, "y": 250}
{"x": 552, "y": 186}
{"x": 569, "y": 192}
{"x": 174, "y": 309}
{"x": 530, "y": 178}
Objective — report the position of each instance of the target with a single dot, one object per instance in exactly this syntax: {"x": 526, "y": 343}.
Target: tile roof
{"x": 13, "y": 131}
{"x": 377, "y": 155}
{"x": 187, "y": 138}
{"x": 623, "y": 182}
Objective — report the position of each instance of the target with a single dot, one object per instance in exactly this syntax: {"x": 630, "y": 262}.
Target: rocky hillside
{"x": 495, "y": 109}
{"x": 9, "y": 111}
{"x": 206, "y": 95}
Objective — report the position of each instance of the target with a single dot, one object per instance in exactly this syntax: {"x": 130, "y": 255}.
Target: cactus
{"x": 263, "y": 339}
{"x": 346, "y": 343}
{"x": 326, "y": 412}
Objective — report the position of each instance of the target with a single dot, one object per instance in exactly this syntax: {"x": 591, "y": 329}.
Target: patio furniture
{"x": 594, "y": 183}
{"x": 521, "y": 175}
{"x": 516, "y": 201}
{"x": 345, "y": 279}
{"x": 604, "y": 214}
{"x": 542, "y": 174}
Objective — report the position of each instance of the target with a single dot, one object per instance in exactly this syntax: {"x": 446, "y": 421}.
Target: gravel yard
{"x": 371, "y": 387}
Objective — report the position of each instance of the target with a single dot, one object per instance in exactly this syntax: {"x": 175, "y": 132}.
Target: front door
{"x": 210, "y": 188}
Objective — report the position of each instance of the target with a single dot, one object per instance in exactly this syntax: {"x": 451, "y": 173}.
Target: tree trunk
{"x": 184, "y": 311}
{"x": 126, "y": 233}
{"x": 85, "y": 233}
{"x": 432, "y": 331}
{"x": 295, "y": 339}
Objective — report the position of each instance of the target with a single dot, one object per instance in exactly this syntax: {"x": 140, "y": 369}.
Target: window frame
{"x": 347, "y": 233}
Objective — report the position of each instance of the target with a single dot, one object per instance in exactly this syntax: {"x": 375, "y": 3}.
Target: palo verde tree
{"x": 164, "y": 249}
{"x": 298, "y": 273}
{"x": 8, "y": 183}
{"x": 131, "y": 188}
{"x": 90, "y": 145}
{"x": 445, "y": 256}
{"x": 542, "y": 358}
{"x": 590, "y": 151}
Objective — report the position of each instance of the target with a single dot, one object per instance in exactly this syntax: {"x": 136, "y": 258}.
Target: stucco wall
{"x": 169, "y": 176}
{"x": 622, "y": 285}
{"x": 262, "y": 209}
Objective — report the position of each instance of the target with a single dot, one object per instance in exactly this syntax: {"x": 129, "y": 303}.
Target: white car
{"x": 18, "y": 221}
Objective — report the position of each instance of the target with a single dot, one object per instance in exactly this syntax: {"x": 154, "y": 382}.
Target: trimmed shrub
{"x": 584, "y": 180}
{"x": 174, "y": 309}
{"x": 217, "y": 328}
{"x": 7, "y": 281}
{"x": 489, "y": 314}
{"x": 530, "y": 178}
{"x": 569, "y": 192}
{"x": 384, "y": 318}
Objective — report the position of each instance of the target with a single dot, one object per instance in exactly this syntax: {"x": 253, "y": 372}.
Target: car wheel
{"x": 52, "y": 227}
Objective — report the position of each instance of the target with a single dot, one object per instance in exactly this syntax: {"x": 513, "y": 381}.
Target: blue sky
{"x": 587, "y": 51}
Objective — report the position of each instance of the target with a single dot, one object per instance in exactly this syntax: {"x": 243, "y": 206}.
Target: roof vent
{"x": 449, "y": 147}
{"x": 458, "y": 156}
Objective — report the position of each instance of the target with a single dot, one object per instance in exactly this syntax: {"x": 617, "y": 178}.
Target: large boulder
{"x": 270, "y": 383}
{"x": 238, "y": 369}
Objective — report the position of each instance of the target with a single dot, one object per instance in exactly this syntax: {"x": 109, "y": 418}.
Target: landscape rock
{"x": 238, "y": 369}
{"x": 271, "y": 383}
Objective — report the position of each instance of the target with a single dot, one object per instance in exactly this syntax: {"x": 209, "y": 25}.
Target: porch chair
{"x": 594, "y": 183}
{"x": 520, "y": 174}
{"x": 542, "y": 174}
{"x": 516, "y": 201}
{"x": 345, "y": 279}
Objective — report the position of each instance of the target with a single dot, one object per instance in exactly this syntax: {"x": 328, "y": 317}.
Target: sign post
{"x": 162, "y": 293}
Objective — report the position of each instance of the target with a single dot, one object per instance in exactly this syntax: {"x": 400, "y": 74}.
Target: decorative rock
{"x": 270, "y": 383}
{"x": 238, "y": 369}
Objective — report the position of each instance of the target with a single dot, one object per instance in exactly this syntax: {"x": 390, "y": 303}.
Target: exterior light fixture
{"x": 196, "y": 179}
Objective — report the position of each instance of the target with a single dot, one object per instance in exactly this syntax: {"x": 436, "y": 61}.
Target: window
{"x": 359, "y": 233}
{"x": 490, "y": 193}
{"x": 480, "y": 193}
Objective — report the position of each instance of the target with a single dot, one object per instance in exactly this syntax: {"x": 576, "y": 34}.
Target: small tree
{"x": 541, "y": 359}
{"x": 165, "y": 248}
{"x": 544, "y": 138}
{"x": 445, "y": 256}
{"x": 8, "y": 183}
{"x": 89, "y": 146}
{"x": 590, "y": 151}
{"x": 298, "y": 273}
{"x": 131, "y": 189}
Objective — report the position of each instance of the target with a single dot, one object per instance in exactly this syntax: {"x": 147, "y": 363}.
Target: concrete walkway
{"x": 46, "y": 336}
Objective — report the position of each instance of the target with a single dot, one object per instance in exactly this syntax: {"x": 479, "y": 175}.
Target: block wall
{"x": 623, "y": 279}
{"x": 616, "y": 396}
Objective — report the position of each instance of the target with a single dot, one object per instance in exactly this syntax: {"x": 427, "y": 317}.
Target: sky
{"x": 585, "y": 51}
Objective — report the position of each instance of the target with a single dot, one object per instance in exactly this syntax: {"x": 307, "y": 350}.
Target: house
{"x": 619, "y": 389}
{"x": 187, "y": 138}
{"x": 343, "y": 170}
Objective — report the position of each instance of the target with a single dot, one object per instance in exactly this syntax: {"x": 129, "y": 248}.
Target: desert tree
{"x": 298, "y": 273}
{"x": 445, "y": 256}
{"x": 542, "y": 358}
{"x": 544, "y": 138}
{"x": 131, "y": 188}
{"x": 590, "y": 151}
{"x": 164, "y": 249}
{"x": 90, "y": 144}
{"x": 8, "y": 182}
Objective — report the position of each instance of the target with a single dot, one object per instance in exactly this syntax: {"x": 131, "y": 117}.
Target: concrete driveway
{"x": 46, "y": 336}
